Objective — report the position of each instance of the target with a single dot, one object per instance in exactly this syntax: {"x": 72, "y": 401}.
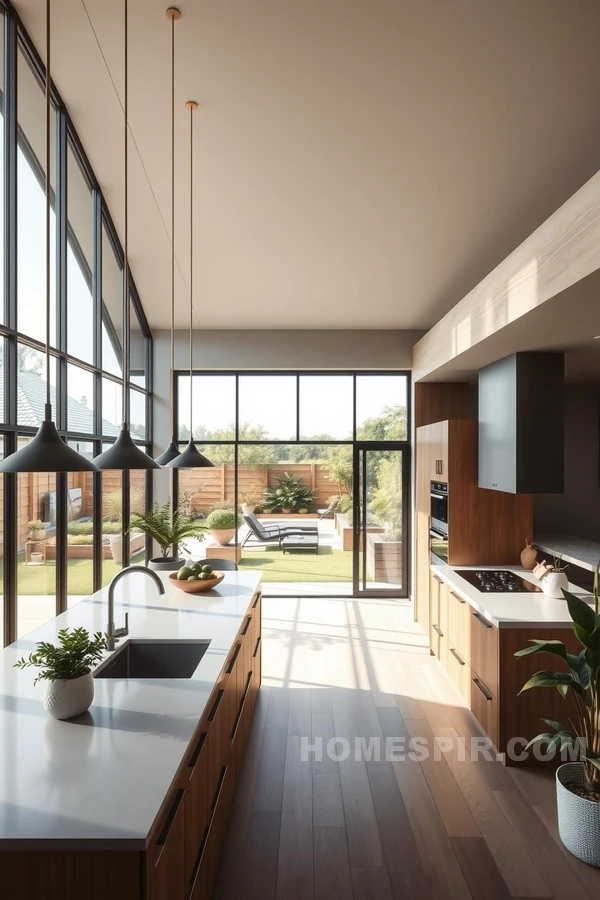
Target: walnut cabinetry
{"x": 484, "y": 527}
{"x": 479, "y": 658}
{"x": 183, "y": 849}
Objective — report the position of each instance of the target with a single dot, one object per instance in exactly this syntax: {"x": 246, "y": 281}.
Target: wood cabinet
{"x": 183, "y": 848}
{"x": 480, "y": 660}
{"x": 484, "y": 527}
{"x": 165, "y": 857}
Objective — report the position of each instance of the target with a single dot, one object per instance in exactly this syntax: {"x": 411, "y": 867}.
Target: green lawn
{"x": 42, "y": 579}
{"x": 329, "y": 565}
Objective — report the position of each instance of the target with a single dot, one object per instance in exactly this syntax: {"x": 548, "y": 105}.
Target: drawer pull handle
{"x": 246, "y": 626}
{"x": 162, "y": 838}
{"x": 233, "y": 659}
{"x": 457, "y": 657}
{"x": 439, "y": 580}
{"x": 216, "y": 705}
{"x": 256, "y": 649}
{"x": 241, "y": 709}
{"x": 257, "y": 601}
{"x": 217, "y": 796}
{"x": 483, "y": 621}
{"x": 437, "y": 630}
{"x": 198, "y": 750}
{"x": 456, "y": 597}
{"x": 482, "y": 689}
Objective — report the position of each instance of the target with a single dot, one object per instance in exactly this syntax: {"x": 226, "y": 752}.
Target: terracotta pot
{"x": 528, "y": 556}
{"x": 223, "y": 535}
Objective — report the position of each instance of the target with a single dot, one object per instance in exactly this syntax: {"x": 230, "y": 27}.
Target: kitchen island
{"x": 132, "y": 799}
{"x": 475, "y": 635}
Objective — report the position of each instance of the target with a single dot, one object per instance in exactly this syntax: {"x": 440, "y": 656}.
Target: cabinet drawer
{"x": 196, "y": 807}
{"x": 460, "y": 673}
{"x": 485, "y": 651}
{"x": 165, "y": 859}
{"x": 459, "y": 624}
{"x": 484, "y": 707}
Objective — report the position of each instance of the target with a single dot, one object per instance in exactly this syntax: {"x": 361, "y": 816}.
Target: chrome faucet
{"x": 112, "y": 633}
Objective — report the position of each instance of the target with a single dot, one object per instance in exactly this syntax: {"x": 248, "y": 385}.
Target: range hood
{"x": 521, "y": 424}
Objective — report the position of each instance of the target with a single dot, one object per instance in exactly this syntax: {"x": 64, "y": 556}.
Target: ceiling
{"x": 357, "y": 164}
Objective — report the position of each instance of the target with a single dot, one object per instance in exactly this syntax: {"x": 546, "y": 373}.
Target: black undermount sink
{"x": 154, "y": 659}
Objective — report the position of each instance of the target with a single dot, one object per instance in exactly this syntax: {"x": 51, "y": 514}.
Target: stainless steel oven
{"x": 438, "y": 523}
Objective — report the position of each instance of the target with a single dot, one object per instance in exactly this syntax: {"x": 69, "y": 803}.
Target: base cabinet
{"x": 183, "y": 849}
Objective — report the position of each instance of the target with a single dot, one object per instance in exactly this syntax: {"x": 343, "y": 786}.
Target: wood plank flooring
{"x": 375, "y": 826}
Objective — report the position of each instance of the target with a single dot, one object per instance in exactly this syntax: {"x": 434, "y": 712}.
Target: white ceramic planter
{"x": 66, "y": 699}
{"x": 223, "y": 535}
{"x": 578, "y": 818}
{"x": 553, "y": 584}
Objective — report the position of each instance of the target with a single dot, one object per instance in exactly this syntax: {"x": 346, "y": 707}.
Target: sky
{"x": 270, "y": 400}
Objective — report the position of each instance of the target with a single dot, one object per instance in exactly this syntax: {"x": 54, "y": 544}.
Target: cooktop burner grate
{"x": 498, "y": 581}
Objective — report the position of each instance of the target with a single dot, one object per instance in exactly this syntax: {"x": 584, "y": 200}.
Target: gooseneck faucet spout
{"x": 113, "y": 634}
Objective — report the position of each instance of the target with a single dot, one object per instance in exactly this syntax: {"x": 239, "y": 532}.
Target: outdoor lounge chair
{"x": 271, "y": 534}
{"x": 329, "y": 510}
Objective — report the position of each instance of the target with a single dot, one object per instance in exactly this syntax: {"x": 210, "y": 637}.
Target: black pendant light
{"x": 191, "y": 458}
{"x": 124, "y": 453}
{"x": 47, "y": 452}
{"x": 172, "y": 450}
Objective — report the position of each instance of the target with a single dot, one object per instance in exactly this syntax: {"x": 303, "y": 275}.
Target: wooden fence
{"x": 200, "y": 489}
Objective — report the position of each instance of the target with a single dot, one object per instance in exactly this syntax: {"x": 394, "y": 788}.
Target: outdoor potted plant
{"x": 247, "y": 503}
{"x": 67, "y": 671}
{"x": 222, "y": 524}
{"x": 36, "y": 530}
{"x": 289, "y": 496}
{"x": 169, "y": 531}
{"x": 577, "y": 783}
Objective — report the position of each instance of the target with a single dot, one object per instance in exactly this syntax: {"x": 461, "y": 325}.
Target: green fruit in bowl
{"x": 192, "y": 578}
{"x": 206, "y": 576}
{"x": 208, "y": 569}
{"x": 184, "y": 573}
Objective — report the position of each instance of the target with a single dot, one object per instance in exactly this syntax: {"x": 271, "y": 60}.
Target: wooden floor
{"x": 375, "y": 830}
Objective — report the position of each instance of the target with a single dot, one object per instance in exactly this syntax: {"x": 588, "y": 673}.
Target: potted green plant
{"x": 552, "y": 577}
{"x": 248, "y": 501}
{"x": 222, "y": 524}
{"x": 169, "y": 531}
{"x": 36, "y": 530}
{"x": 67, "y": 670}
{"x": 577, "y": 783}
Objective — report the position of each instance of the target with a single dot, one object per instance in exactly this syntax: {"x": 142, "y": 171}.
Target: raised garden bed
{"x": 384, "y": 559}
{"x": 137, "y": 542}
{"x": 346, "y": 531}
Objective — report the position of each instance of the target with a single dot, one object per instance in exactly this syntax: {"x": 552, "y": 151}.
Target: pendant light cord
{"x": 171, "y": 397}
{"x": 126, "y": 315}
{"x": 48, "y": 414}
{"x": 192, "y": 106}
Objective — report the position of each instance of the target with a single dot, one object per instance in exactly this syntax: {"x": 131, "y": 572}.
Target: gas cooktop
{"x": 497, "y": 581}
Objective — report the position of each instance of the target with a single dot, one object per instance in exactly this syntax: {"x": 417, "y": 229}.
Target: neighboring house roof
{"x": 31, "y": 398}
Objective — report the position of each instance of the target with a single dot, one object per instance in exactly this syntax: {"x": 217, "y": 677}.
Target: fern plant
{"x": 581, "y": 679}
{"x": 167, "y": 530}
{"x": 74, "y": 656}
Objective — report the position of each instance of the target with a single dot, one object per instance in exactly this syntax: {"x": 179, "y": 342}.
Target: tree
{"x": 389, "y": 426}
{"x": 248, "y": 454}
{"x": 339, "y": 468}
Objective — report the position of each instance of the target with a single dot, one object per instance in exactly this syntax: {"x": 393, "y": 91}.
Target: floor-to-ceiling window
{"x": 62, "y": 536}
{"x": 326, "y": 454}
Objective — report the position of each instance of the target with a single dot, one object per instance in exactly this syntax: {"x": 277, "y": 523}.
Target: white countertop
{"x": 570, "y": 548}
{"x": 518, "y": 610}
{"x": 102, "y": 777}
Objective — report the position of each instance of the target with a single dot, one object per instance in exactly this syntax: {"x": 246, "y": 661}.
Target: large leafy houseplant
{"x": 581, "y": 680}
{"x": 289, "y": 495}
{"x": 168, "y": 530}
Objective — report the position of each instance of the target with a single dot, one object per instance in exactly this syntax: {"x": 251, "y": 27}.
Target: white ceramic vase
{"x": 66, "y": 699}
{"x": 578, "y": 818}
{"x": 223, "y": 535}
{"x": 553, "y": 584}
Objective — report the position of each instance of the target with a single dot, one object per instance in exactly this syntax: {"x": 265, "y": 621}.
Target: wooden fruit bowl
{"x": 197, "y": 587}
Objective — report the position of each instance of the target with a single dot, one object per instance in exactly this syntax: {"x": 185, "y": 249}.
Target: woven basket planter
{"x": 578, "y": 818}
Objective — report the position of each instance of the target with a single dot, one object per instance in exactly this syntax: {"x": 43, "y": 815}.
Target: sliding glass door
{"x": 380, "y": 519}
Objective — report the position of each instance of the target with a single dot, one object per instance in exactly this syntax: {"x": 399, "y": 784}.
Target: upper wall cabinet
{"x": 521, "y": 427}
